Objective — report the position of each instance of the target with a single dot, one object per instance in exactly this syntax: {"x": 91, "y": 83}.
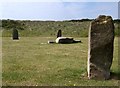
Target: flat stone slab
{"x": 64, "y": 40}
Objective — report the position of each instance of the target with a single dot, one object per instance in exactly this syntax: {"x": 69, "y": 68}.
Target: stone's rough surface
{"x": 59, "y": 34}
{"x": 15, "y": 34}
{"x": 64, "y": 40}
{"x": 100, "y": 53}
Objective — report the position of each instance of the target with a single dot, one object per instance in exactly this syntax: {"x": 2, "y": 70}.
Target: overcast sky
{"x": 56, "y": 9}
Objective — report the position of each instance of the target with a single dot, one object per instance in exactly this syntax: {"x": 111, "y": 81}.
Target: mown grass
{"x": 30, "y": 61}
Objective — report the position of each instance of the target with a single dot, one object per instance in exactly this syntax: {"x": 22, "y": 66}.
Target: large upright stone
{"x": 100, "y": 53}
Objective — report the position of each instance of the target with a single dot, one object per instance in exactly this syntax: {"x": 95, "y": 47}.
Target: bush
{"x": 9, "y": 24}
{"x": 73, "y": 28}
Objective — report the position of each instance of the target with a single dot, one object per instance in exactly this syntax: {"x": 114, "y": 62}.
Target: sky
{"x": 56, "y": 9}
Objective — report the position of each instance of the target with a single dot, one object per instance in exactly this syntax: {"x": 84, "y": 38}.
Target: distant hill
{"x": 27, "y": 28}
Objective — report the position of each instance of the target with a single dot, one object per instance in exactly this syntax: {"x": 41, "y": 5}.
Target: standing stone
{"x": 15, "y": 34}
{"x": 59, "y": 34}
{"x": 100, "y": 53}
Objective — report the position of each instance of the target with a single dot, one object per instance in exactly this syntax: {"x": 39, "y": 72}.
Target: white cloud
{"x": 109, "y": 8}
{"x": 91, "y": 9}
{"x": 57, "y": 11}
{"x": 30, "y": 0}
{"x": 59, "y": 0}
{"x": 33, "y": 10}
{"x": 90, "y": 0}
{"x": 74, "y": 10}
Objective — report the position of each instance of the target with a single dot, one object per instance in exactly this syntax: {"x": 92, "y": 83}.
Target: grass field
{"x": 50, "y": 28}
{"x": 30, "y": 61}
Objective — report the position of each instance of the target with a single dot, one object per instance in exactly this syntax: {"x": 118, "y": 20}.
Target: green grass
{"x": 50, "y": 28}
{"x": 30, "y": 61}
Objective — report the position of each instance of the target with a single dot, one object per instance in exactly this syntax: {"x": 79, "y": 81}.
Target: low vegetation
{"x": 73, "y": 28}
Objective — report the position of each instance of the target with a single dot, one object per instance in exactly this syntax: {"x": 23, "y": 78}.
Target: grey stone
{"x": 15, "y": 34}
{"x": 77, "y": 41}
{"x": 59, "y": 33}
{"x": 64, "y": 40}
{"x": 100, "y": 52}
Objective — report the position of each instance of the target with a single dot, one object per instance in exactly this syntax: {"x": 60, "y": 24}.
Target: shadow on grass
{"x": 115, "y": 76}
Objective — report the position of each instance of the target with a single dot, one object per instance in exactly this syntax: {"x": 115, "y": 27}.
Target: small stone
{"x": 15, "y": 34}
{"x": 59, "y": 33}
